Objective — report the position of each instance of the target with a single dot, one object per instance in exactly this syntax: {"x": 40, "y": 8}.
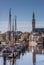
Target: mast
{"x": 10, "y": 24}
{"x": 10, "y": 19}
{"x": 15, "y": 24}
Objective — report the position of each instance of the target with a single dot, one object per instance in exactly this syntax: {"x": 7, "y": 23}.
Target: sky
{"x": 23, "y": 9}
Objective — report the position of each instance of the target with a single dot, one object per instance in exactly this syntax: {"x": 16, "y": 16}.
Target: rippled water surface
{"x": 26, "y": 58}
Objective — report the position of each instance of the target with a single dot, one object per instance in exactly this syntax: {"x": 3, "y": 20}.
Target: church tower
{"x": 33, "y": 22}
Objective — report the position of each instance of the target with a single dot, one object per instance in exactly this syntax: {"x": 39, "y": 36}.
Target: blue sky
{"x": 23, "y": 9}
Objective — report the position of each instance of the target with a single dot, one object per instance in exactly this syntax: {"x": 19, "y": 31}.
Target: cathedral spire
{"x": 33, "y": 15}
{"x": 33, "y": 21}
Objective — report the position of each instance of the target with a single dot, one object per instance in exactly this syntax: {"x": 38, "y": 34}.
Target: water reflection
{"x": 12, "y": 61}
{"x": 4, "y": 58}
{"x": 26, "y": 57}
{"x": 34, "y": 56}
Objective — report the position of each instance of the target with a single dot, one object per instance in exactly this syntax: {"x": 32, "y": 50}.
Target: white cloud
{"x": 24, "y": 26}
{"x": 3, "y": 26}
{"x": 40, "y": 24}
{"x": 21, "y": 25}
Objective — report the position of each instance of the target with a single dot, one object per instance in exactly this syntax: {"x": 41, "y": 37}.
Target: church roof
{"x": 39, "y": 30}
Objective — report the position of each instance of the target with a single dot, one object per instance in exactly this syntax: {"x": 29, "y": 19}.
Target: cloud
{"x": 24, "y": 26}
{"x": 3, "y": 26}
{"x": 21, "y": 26}
{"x": 40, "y": 24}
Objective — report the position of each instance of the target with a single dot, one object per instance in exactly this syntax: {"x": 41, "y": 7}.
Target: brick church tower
{"x": 33, "y": 22}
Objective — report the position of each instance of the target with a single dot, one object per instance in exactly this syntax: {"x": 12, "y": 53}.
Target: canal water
{"x": 25, "y": 58}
